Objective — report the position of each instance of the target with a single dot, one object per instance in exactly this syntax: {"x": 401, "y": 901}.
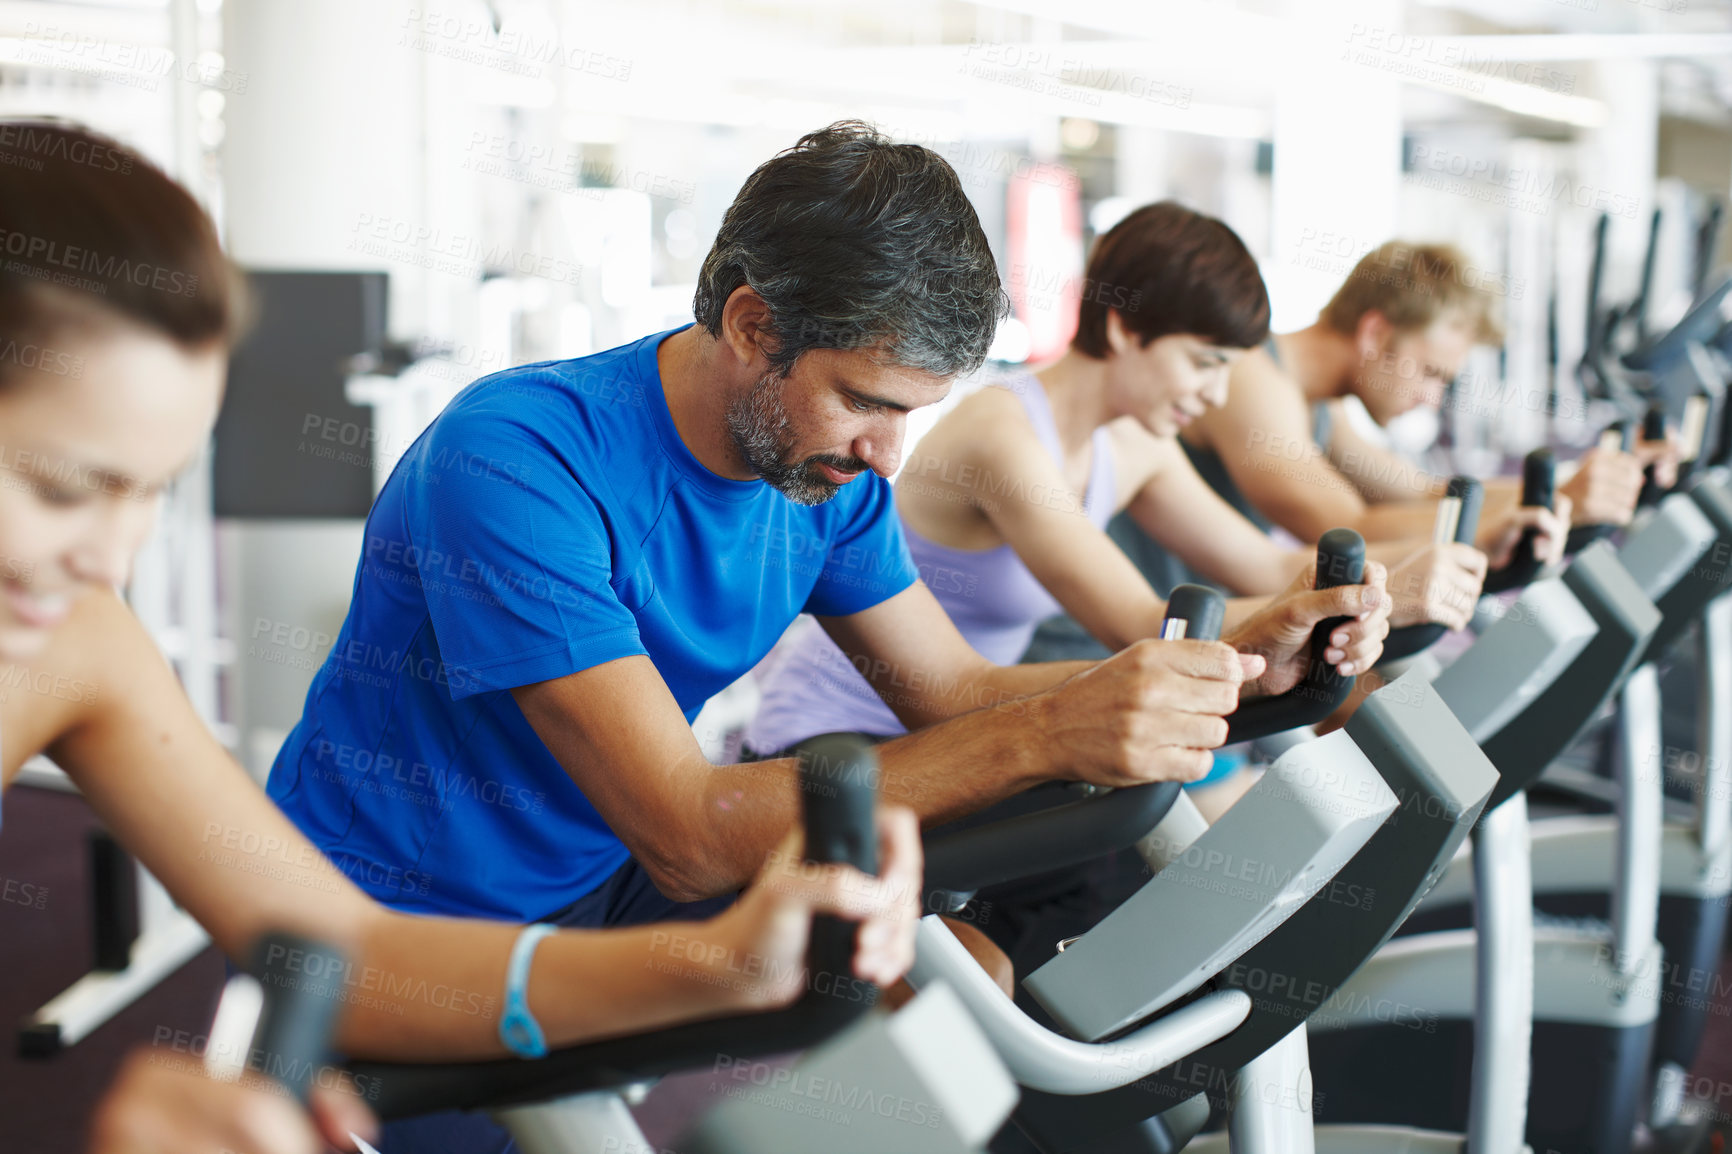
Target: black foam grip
{"x": 1201, "y": 608}
{"x": 1340, "y": 561}
{"x": 838, "y": 786}
{"x": 1471, "y": 494}
{"x": 1539, "y": 491}
{"x": 1653, "y": 429}
{"x": 1654, "y": 422}
{"x": 1404, "y": 642}
{"x": 838, "y": 791}
{"x": 1540, "y": 479}
{"x": 1722, "y": 454}
{"x": 114, "y": 912}
{"x": 302, "y": 980}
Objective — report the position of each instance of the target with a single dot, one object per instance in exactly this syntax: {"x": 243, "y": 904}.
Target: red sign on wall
{"x": 1043, "y": 217}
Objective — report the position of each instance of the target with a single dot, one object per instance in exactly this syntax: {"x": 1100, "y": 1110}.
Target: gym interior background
{"x": 430, "y": 192}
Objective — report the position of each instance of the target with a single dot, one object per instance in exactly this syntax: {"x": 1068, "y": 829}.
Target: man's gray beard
{"x": 764, "y": 436}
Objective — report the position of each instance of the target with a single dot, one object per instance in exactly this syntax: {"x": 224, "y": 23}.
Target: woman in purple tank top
{"x": 1005, "y": 501}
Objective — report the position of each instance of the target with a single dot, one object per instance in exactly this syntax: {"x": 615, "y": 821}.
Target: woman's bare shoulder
{"x": 987, "y": 427}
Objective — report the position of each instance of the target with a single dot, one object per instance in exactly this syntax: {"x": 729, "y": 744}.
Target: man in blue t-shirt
{"x": 577, "y": 554}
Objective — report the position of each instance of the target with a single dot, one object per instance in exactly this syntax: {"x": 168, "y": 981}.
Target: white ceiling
{"x": 1189, "y": 65}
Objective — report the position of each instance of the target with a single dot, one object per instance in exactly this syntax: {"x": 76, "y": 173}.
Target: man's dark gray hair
{"x": 855, "y": 242}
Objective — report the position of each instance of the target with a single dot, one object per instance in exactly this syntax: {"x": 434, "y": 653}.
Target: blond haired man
{"x": 1394, "y": 335}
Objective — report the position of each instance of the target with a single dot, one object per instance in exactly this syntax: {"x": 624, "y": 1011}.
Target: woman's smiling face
{"x": 1169, "y": 382}
{"x": 90, "y": 435}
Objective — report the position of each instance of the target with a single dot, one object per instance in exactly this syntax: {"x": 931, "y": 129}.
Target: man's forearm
{"x": 975, "y": 745}
{"x": 999, "y": 685}
{"x": 744, "y": 811}
{"x": 928, "y": 698}
{"x": 988, "y": 751}
{"x": 941, "y": 771}
{"x": 957, "y": 767}
{"x": 1398, "y": 520}
{"x": 1383, "y": 477}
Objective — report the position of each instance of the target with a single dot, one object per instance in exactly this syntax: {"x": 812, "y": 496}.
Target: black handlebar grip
{"x": 302, "y": 980}
{"x": 839, "y": 795}
{"x": 1539, "y": 491}
{"x": 1201, "y": 608}
{"x": 1340, "y": 561}
{"x": 1653, "y": 429}
{"x": 1654, "y": 422}
{"x": 1404, "y": 642}
{"x": 1722, "y": 453}
{"x": 1471, "y": 494}
{"x": 1540, "y": 480}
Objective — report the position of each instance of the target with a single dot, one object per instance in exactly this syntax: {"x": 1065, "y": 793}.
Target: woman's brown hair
{"x": 85, "y": 221}
{"x": 1166, "y": 269}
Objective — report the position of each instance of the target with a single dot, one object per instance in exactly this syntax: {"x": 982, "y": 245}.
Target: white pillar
{"x": 1618, "y": 161}
{"x": 1517, "y": 428}
{"x": 1140, "y": 163}
{"x": 1337, "y": 166}
{"x": 327, "y": 134}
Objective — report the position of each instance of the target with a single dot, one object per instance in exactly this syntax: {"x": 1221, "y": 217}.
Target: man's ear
{"x": 1371, "y": 336}
{"x": 744, "y": 320}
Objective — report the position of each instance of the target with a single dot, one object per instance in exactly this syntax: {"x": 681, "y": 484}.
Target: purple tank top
{"x": 810, "y": 686}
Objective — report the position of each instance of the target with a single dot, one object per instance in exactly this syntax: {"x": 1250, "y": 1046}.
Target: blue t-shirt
{"x": 548, "y": 521}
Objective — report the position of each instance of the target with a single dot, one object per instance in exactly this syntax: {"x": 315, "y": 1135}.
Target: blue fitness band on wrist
{"x": 518, "y": 1028}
